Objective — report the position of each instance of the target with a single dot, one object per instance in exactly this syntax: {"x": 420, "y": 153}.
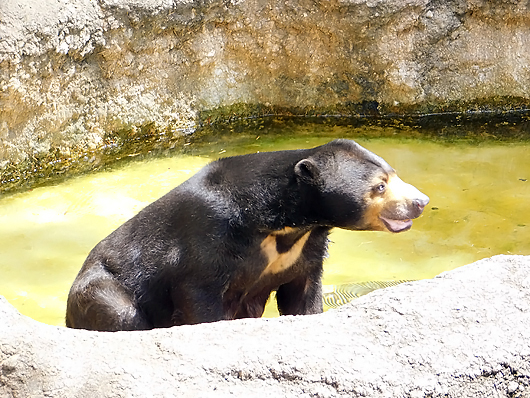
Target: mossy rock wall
{"x": 78, "y": 77}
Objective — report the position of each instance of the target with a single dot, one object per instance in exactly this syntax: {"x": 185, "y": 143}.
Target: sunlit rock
{"x": 463, "y": 334}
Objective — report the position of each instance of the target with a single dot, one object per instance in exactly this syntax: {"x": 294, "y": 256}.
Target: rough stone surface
{"x": 73, "y": 71}
{"x": 465, "y": 333}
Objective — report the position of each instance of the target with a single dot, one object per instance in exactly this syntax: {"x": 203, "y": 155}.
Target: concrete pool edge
{"x": 464, "y": 333}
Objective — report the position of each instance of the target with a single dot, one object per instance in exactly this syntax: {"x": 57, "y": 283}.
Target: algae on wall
{"x": 75, "y": 75}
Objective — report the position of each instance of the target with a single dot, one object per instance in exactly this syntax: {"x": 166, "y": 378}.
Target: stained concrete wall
{"x": 78, "y": 75}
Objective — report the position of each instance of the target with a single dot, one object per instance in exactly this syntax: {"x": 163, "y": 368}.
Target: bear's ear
{"x": 307, "y": 170}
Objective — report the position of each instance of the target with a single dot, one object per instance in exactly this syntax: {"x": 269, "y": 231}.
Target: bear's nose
{"x": 420, "y": 203}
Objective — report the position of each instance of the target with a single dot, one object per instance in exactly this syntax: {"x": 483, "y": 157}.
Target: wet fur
{"x": 216, "y": 246}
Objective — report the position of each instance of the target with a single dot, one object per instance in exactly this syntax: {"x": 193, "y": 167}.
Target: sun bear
{"x": 217, "y": 245}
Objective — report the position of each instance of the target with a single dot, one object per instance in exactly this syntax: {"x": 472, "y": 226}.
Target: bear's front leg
{"x": 197, "y": 305}
{"x": 302, "y": 296}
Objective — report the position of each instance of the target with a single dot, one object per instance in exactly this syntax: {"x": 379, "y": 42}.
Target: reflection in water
{"x": 479, "y": 195}
{"x": 335, "y": 296}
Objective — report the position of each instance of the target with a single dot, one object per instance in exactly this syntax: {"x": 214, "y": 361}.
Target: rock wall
{"x": 463, "y": 334}
{"x": 80, "y": 75}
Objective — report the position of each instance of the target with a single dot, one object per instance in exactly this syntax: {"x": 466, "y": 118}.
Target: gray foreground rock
{"x": 73, "y": 72}
{"x": 465, "y": 333}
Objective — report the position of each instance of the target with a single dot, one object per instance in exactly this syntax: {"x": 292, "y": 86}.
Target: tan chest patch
{"x": 278, "y": 262}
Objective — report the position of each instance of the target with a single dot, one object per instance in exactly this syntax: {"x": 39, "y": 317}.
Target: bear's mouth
{"x": 397, "y": 225}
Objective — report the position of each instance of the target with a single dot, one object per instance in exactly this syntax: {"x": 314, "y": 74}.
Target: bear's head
{"x": 352, "y": 188}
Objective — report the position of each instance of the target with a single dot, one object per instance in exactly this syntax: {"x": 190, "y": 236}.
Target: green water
{"x": 479, "y": 207}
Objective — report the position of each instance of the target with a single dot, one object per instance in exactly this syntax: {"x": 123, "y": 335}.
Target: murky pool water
{"x": 479, "y": 207}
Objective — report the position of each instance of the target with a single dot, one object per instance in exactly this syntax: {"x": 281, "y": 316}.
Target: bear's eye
{"x": 381, "y": 188}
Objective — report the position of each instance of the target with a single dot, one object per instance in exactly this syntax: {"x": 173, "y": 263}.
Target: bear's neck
{"x": 282, "y": 204}
{"x": 265, "y": 191}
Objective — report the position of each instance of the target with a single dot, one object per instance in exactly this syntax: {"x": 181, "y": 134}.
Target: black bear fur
{"x": 216, "y": 246}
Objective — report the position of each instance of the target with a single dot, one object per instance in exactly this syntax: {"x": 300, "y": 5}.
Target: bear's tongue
{"x": 397, "y": 225}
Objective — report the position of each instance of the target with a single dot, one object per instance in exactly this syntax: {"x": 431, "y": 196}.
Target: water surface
{"x": 479, "y": 199}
